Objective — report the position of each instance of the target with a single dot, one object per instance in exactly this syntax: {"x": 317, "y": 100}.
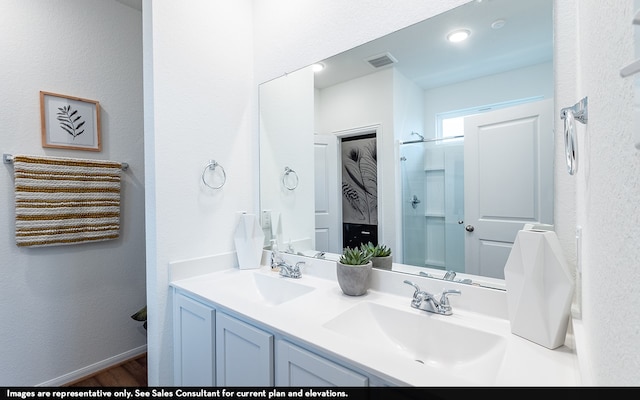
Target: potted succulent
{"x": 380, "y": 255}
{"x": 354, "y": 271}
{"x": 141, "y": 315}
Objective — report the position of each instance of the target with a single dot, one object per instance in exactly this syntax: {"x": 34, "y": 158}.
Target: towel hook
{"x": 578, "y": 112}
{"x": 212, "y": 167}
{"x": 288, "y": 171}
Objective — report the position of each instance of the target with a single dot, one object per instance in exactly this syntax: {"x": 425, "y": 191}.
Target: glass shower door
{"x": 433, "y": 204}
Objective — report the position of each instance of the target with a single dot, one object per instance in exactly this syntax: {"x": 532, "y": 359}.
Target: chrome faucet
{"x": 449, "y": 275}
{"x": 291, "y": 271}
{"x": 286, "y": 270}
{"x": 427, "y": 302}
{"x": 276, "y": 259}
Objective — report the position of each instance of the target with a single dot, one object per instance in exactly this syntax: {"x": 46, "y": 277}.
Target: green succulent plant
{"x": 354, "y": 256}
{"x": 141, "y": 315}
{"x": 379, "y": 250}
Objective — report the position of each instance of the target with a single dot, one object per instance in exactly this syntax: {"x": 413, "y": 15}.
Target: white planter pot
{"x": 354, "y": 279}
{"x": 382, "y": 262}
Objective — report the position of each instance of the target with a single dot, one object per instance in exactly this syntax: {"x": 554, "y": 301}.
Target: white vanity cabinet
{"x": 244, "y": 353}
{"x": 296, "y": 366}
{"x": 193, "y": 342}
{"x": 215, "y": 349}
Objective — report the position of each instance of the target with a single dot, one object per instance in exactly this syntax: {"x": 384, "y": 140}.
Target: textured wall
{"x": 198, "y": 107}
{"x": 65, "y": 308}
{"x": 608, "y": 191}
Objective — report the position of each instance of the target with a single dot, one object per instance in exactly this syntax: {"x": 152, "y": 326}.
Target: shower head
{"x": 417, "y": 134}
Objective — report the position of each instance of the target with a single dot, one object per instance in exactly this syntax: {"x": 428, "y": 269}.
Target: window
{"x": 451, "y": 124}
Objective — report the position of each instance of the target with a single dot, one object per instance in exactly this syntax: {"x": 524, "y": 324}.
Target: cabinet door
{"x": 298, "y": 367}
{"x": 193, "y": 338}
{"x": 244, "y": 353}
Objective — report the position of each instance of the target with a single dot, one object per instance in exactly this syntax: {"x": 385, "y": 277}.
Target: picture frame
{"x": 70, "y": 122}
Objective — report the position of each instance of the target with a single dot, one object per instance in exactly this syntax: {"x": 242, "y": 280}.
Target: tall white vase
{"x": 249, "y": 241}
{"x": 539, "y": 288}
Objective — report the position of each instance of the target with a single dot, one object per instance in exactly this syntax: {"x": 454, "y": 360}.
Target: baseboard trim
{"x": 93, "y": 368}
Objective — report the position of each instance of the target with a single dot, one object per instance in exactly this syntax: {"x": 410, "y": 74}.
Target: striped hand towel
{"x": 61, "y": 201}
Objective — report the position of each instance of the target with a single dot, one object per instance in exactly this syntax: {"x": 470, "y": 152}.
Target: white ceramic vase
{"x": 249, "y": 241}
{"x": 539, "y": 288}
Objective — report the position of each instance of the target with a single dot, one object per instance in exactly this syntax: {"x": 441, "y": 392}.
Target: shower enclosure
{"x": 433, "y": 203}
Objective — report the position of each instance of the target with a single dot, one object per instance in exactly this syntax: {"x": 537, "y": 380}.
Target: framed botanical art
{"x": 70, "y": 122}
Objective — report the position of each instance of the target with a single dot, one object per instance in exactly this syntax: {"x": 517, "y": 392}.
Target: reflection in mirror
{"x": 462, "y": 135}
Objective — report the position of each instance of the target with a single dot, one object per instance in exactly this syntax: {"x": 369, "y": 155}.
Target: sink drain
{"x": 420, "y": 361}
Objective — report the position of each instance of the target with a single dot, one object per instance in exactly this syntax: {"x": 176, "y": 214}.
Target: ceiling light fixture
{"x": 318, "y": 67}
{"x": 497, "y": 24}
{"x": 459, "y": 35}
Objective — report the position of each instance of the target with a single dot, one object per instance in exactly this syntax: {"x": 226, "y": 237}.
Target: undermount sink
{"x": 424, "y": 338}
{"x": 265, "y": 289}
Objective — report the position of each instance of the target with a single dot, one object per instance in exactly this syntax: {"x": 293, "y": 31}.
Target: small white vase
{"x": 353, "y": 279}
{"x": 249, "y": 240}
{"x": 539, "y": 288}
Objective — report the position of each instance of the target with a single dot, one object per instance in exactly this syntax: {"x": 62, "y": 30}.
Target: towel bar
{"x": 8, "y": 159}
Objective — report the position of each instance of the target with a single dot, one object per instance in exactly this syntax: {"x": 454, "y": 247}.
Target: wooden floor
{"x": 131, "y": 373}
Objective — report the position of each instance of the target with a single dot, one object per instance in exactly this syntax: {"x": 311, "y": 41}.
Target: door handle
{"x": 469, "y": 228}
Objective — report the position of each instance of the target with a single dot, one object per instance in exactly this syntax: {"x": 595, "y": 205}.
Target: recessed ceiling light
{"x": 318, "y": 67}
{"x": 497, "y": 24}
{"x": 459, "y": 35}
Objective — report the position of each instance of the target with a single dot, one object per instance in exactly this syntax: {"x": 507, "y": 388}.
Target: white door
{"x": 328, "y": 235}
{"x": 508, "y": 175}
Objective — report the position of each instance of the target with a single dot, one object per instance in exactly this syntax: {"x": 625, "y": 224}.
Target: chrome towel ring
{"x": 570, "y": 143}
{"x": 212, "y": 167}
{"x": 289, "y": 173}
{"x": 578, "y": 112}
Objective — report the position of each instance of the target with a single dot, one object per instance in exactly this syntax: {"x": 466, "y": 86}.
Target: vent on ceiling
{"x": 381, "y": 60}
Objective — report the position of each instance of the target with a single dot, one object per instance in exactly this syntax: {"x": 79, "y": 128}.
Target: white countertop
{"x": 522, "y": 363}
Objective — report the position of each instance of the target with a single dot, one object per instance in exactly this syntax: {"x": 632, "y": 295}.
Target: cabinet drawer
{"x": 296, "y": 366}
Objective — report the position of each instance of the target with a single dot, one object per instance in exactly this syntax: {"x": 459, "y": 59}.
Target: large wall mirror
{"x": 440, "y": 150}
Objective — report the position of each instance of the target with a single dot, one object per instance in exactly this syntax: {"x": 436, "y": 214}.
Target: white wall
{"x": 408, "y": 108}
{"x": 366, "y": 102}
{"x": 286, "y": 140}
{"x": 594, "y": 43}
{"x": 66, "y": 308}
{"x": 389, "y": 101}
{"x": 521, "y": 83}
{"x": 200, "y": 104}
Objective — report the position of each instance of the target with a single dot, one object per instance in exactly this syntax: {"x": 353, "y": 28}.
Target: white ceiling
{"x": 425, "y": 56}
